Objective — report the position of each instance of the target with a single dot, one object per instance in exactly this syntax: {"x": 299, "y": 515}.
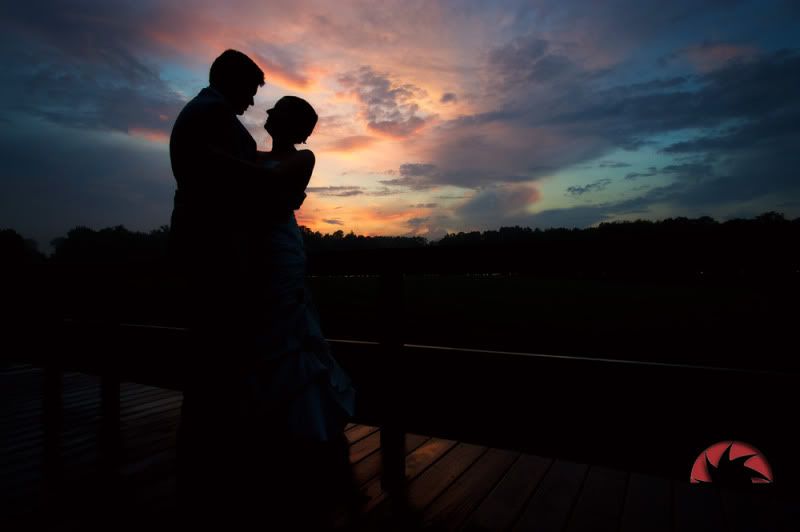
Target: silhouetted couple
{"x": 265, "y": 405}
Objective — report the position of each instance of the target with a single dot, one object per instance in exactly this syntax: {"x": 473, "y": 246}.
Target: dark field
{"x": 737, "y": 324}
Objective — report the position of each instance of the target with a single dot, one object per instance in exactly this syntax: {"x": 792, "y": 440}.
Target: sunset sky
{"x": 435, "y": 117}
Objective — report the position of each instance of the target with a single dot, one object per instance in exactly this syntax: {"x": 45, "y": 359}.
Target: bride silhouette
{"x": 300, "y": 397}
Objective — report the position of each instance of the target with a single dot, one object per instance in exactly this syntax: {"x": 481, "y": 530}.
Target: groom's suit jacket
{"x": 206, "y": 213}
{"x": 213, "y": 206}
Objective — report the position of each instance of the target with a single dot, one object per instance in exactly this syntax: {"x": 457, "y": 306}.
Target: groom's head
{"x": 237, "y": 77}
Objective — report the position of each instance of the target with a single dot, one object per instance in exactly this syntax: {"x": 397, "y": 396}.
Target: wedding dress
{"x": 299, "y": 384}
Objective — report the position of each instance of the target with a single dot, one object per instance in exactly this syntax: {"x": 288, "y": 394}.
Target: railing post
{"x": 110, "y": 423}
{"x": 110, "y": 428}
{"x": 393, "y": 453}
{"x": 52, "y": 421}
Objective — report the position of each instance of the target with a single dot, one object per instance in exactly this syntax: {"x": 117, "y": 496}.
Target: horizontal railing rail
{"x": 647, "y": 417}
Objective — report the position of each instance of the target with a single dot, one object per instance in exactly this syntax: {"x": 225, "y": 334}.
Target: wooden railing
{"x": 639, "y": 416}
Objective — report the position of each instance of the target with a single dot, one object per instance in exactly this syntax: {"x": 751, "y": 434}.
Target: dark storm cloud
{"x": 498, "y": 202}
{"x": 388, "y": 107}
{"x": 53, "y": 180}
{"x": 416, "y": 176}
{"x": 78, "y": 67}
{"x": 774, "y": 125}
{"x": 739, "y": 122}
{"x": 580, "y": 217}
{"x": 746, "y": 90}
{"x": 595, "y": 186}
{"x": 520, "y": 60}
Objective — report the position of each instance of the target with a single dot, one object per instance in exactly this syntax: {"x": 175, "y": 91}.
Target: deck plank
{"x": 454, "y": 505}
{"x": 696, "y": 507}
{"x": 434, "y": 480}
{"x": 358, "y": 432}
{"x": 599, "y": 506}
{"x": 370, "y": 466}
{"x": 416, "y": 462}
{"x": 648, "y": 504}
{"x": 502, "y": 506}
{"x": 549, "y": 507}
{"x": 763, "y": 509}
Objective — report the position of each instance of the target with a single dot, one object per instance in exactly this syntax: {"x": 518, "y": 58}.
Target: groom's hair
{"x": 234, "y": 70}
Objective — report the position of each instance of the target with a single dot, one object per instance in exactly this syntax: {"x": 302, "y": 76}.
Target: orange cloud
{"x": 151, "y": 135}
{"x": 318, "y": 213}
{"x": 348, "y": 144}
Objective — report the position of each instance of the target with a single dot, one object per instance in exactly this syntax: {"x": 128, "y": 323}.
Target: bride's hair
{"x": 297, "y": 118}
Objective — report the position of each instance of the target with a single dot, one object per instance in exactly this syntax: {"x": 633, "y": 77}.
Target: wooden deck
{"x": 452, "y": 485}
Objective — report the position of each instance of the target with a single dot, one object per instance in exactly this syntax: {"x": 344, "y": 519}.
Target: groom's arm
{"x": 279, "y": 187}
{"x": 209, "y": 148}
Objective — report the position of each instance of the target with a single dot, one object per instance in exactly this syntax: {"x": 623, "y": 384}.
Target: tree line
{"x": 769, "y": 239}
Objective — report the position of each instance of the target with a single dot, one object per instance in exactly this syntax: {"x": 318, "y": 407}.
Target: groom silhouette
{"x": 219, "y": 186}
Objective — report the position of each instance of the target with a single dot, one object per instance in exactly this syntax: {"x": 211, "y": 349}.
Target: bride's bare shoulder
{"x": 304, "y": 158}
{"x": 306, "y": 155}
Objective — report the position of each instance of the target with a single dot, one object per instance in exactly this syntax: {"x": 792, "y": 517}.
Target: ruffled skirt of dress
{"x": 297, "y": 385}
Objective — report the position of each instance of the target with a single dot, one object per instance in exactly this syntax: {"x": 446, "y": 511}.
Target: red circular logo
{"x": 731, "y": 463}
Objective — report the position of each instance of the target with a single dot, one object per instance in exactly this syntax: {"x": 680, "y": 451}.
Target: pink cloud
{"x": 710, "y": 56}
{"x": 351, "y": 143}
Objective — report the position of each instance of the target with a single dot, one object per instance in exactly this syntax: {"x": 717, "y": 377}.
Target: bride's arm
{"x": 279, "y": 187}
{"x": 297, "y": 170}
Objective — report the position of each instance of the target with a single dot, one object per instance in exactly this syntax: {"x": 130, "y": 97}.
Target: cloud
{"x": 448, "y": 97}
{"x": 709, "y": 56}
{"x": 502, "y": 201}
{"x": 337, "y": 191}
{"x": 760, "y": 132}
{"x": 417, "y": 169}
{"x": 281, "y": 66}
{"x": 389, "y": 108}
{"x": 544, "y": 89}
{"x": 77, "y": 71}
{"x": 737, "y": 91}
{"x": 333, "y": 221}
{"x": 94, "y": 179}
{"x": 734, "y": 119}
{"x": 351, "y": 143}
{"x": 596, "y": 186}
{"x": 651, "y": 171}
{"x": 517, "y": 60}
{"x": 416, "y": 176}
{"x": 384, "y": 191}
{"x": 613, "y": 164}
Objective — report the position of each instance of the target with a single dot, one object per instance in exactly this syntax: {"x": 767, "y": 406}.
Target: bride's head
{"x": 291, "y": 120}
